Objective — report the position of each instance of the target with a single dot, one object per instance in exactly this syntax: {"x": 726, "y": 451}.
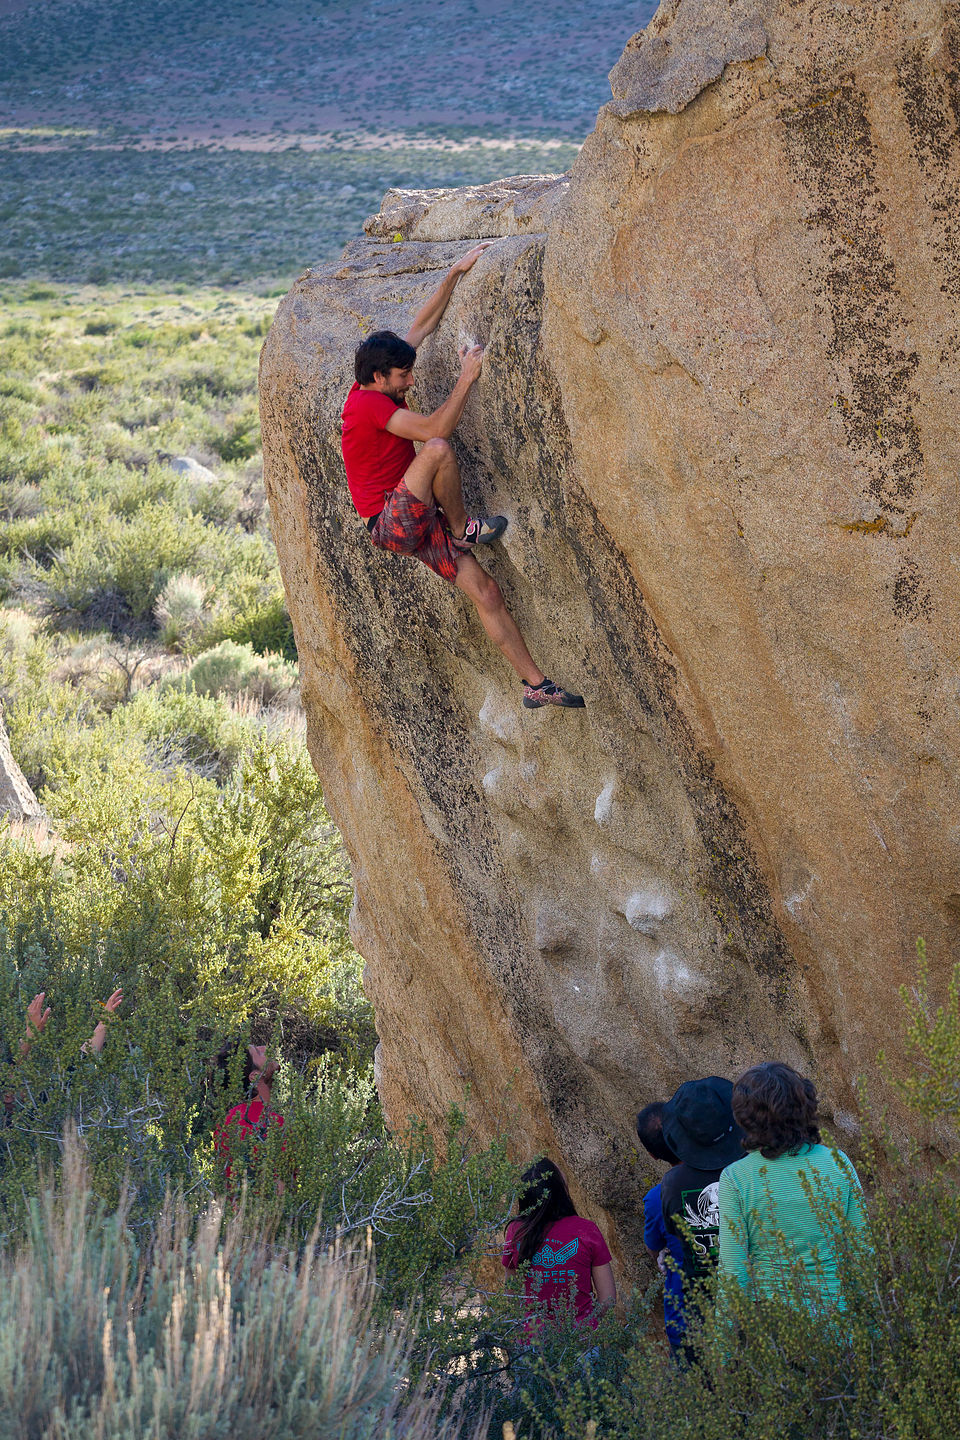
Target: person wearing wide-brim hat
{"x": 699, "y": 1127}
{"x": 698, "y": 1124}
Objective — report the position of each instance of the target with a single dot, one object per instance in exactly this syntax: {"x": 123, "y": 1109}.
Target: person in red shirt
{"x": 248, "y": 1121}
{"x": 412, "y": 503}
{"x": 566, "y": 1256}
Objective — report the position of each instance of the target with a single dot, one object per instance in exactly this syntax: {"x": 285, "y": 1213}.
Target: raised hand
{"x": 467, "y": 262}
{"x": 37, "y": 1018}
{"x": 114, "y": 1003}
{"x": 471, "y": 362}
{"x": 428, "y": 317}
{"x": 96, "y": 1041}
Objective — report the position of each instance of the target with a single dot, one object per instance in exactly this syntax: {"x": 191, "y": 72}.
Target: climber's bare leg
{"x": 495, "y": 618}
{"x": 435, "y": 475}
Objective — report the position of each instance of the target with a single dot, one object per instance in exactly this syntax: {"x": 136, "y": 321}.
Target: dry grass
{"x": 202, "y": 1331}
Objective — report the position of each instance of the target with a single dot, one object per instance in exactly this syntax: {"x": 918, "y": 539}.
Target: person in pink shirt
{"x": 247, "y": 1123}
{"x": 566, "y": 1256}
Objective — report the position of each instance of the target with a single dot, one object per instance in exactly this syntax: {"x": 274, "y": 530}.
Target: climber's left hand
{"x": 468, "y": 261}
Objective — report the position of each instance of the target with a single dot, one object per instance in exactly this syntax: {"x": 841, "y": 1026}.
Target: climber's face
{"x": 395, "y": 383}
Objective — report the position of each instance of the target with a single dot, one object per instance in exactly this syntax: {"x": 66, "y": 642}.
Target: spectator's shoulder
{"x": 739, "y": 1171}
{"x": 824, "y": 1157}
{"x": 592, "y": 1236}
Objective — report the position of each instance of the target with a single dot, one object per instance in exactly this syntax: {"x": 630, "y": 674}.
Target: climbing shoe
{"x": 481, "y": 530}
{"x": 546, "y": 693}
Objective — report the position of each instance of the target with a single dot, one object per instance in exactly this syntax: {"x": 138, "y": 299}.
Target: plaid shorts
{"x": 409, "y": 527}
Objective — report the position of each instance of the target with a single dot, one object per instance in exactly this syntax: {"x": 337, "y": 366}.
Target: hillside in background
{"x": 234, "y": 143}
{"x": 242, "y": 69}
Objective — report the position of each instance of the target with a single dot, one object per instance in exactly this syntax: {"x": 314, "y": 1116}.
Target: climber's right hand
{"x": 471, "y": 361}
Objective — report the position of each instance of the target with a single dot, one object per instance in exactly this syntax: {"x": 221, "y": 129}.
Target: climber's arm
{"x": 428, "y": 318}
{"x": 443, "y": 421}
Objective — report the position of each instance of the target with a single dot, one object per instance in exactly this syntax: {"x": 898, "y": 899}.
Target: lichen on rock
{"x": 717, "y": 408}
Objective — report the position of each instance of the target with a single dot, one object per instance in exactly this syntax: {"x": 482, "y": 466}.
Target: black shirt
{"x": 691, "y": 1210}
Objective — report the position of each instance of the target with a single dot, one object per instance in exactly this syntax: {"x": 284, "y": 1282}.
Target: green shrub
{"x": 200, "y": 730}
{"x": 229, "y": 669}
{"x": 241, "y": 441}
{"x": 38, "y": 537}
{"x": 9, "y": 571}
{"x": 85, "y": 495}
{"x": 263, "y": 624}
{"x": 125, "y": 560}
{"x": 20, "y": 502}
{"x": 932, "y": 1085}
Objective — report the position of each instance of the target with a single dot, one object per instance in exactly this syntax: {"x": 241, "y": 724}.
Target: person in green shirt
{"x": 787, "y": 1206}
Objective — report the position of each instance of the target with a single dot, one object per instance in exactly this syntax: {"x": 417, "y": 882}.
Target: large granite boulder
{"x": 718, "y": 407}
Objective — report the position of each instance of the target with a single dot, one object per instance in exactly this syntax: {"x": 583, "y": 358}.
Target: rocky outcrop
{"x": 17, "y": 800}
{"x": 718, "y": 407}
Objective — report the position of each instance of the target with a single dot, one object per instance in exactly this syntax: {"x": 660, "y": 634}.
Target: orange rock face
{"x": 718, "y": 408}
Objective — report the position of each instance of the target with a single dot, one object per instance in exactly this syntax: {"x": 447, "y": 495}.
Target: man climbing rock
{"x": 413, "y": 503}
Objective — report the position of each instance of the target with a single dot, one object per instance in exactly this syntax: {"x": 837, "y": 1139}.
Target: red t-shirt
{"x": 375, "y": 460}
{"x": 241, "y": 1122}
{"x": 562, "y": 1266}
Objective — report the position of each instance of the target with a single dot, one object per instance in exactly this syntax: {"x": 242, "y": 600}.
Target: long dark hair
{"x": 776, "y": 1109}
{"x": 543, "y": 1199}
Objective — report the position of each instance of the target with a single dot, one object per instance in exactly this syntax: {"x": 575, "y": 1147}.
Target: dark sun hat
{"x": 698, "y": 1124}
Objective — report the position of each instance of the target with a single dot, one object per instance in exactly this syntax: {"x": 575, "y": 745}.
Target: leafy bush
{"x": 260, "y": 621}
{"x": 129, "y": 559}
{"x": 38, "y": 537}
{"x": 242, "y": 439}
{"x": 199, "y": 730}
{"x": 194, "y": 865}
{"x": 229, "y": 668}
{"x": 97, "y": 523}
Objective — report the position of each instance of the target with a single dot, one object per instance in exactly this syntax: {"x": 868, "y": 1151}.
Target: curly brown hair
{"x": 776, "y": 1109}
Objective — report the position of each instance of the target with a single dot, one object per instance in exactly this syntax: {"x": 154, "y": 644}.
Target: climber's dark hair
{"x": 381, "y": 352}
{"x": 650, "y": 1133}
{"x": 543, "y": 1199}
{"x": 776, "y": 1109}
